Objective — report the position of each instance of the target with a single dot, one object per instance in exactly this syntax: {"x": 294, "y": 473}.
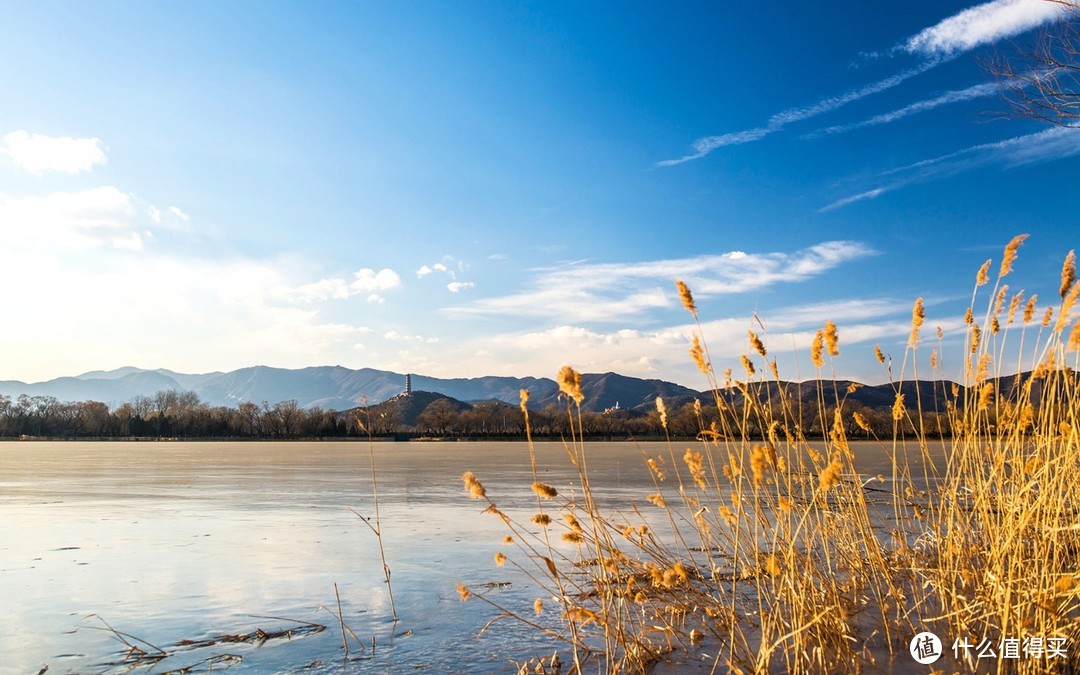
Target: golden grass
{"x": 761, "y": 551}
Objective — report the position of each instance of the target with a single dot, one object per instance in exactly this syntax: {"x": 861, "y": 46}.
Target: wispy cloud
{"x": 956, "y": 96}
{"x": 780, "y": 120}
{"x": 444, "y": 267}
{"x": 662, "y": 352}
{"x": 869, "y": 194}
{"x": 605, "y": 292}
{"x": 437, "y": 267}
{"x": 101, "y": 216}
{"x": 825, "y": 105}
{"x": 704, "y": 146}
{"x": 102, "y": 243}
{"x": 222, "y": 313}
{"x": 398, "y": 336}
{"x": 981, "y": 25}
{"x": 1043, "y": 146}
{"x": 971, "y": 28}
{"x": 368, "y": 280}
{"x": 365, "y": 281}
{"x": 39, "y": 154}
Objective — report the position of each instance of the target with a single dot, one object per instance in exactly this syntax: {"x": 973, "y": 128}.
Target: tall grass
{"x": 768, "y": 552}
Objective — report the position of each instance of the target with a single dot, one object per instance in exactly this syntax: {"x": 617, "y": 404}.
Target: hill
{"x": 340, "y": 388}
{"x": 336, "y": 387}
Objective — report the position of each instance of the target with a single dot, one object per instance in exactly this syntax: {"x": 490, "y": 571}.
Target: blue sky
{"x": 463, "y": 189}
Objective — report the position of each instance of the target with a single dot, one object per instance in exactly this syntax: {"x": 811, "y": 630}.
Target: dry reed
{"x": 766, "y": 551}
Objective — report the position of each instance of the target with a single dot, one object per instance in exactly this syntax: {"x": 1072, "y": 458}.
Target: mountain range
{"x": 340, "y": 388}
{"x": 335, "y": 387}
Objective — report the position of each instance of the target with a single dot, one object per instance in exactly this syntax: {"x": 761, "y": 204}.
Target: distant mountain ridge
{"x": 340, "y": 388}
{"x": 335, "y": 387}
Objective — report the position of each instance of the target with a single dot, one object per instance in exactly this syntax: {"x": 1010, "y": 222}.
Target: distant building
{"x": 408, "y": 384}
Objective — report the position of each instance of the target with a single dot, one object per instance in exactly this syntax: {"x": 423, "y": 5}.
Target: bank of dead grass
{"x": 758, "y": 553}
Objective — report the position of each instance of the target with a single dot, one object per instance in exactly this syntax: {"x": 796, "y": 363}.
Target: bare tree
{"x": 1043, "y": 82}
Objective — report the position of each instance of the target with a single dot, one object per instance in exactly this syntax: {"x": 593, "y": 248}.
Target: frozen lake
{"x": 193, "y": 541}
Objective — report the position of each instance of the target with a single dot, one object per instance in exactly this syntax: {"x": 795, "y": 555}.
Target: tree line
{"x": 180, "y": 414}
{"x": 166, "y": 414}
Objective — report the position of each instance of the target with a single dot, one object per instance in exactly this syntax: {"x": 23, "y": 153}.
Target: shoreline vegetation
{"x": 759, "y": 552}
{"x": 810, "y": 406}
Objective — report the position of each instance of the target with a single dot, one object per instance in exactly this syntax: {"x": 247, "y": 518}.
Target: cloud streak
{"x": 604, "y": 292}
{"x": 1036, "y": 148}
{"x": 662, "y": 352}
{"x": 971, "y": 28}
{"x": 956, "y": 96}
{"x": 779, "y": 121}
{"x": 981, "y": 25}
{"x": 101, "y": 216}
{"x": 38, "y": 154}
{"x": 365, "y": 281}
{"x": 459, "y": 286}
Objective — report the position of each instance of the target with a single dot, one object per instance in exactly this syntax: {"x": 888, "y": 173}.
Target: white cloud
{"x": 94, "y": 217}
{"x": 780, "y": 120}
{"x": 396, "y": 336}
{"x": 268, "y": 284}
{"x": 973, "y": 27}
{"x": 412, "y": 362}
{"x": 326, "y": 289}
{"x": 983, "y": 24}
{"x": 975, "y": 91}
{"x": 220, "y": 314}
{"x": 426, "y": 270}
{"x": 832, "y": 103}
{"x": 575, "y": 335}
{"x": 175, "y": 210}
{"x": 1042, "y": 146}
{"x": 663, "y": 353}
{"x": 869, "y": 194}
{"x": 707, "y": 144}
{"x": 368, "y": 280}
{"x": 458, "y": 286}
{"x": 567, "y": 304}
{"x": 454, "y": 286}
{"x": 612, "y": 291}
{"x": 39, "y": 154}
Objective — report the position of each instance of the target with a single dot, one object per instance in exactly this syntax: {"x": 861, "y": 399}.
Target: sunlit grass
{"x": 759, "y": 549}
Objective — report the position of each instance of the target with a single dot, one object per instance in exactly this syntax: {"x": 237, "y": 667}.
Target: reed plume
{"x": 816, "y": 349}
{"x": 1068, "y": 274}
{"x": 832, "y": 341}
{"x": 918, "y": 316}
{"x": 686, "y": 296}
{"x": 570, "y": 384}
{"x": 1010, "y": 254}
